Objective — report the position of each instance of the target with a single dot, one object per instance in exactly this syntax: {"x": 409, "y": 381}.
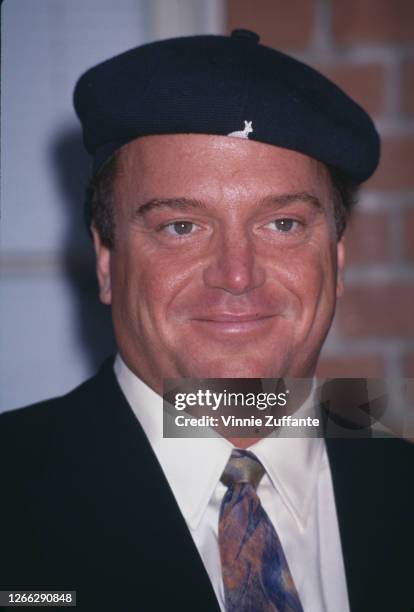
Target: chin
{"x": 234, "y": 368}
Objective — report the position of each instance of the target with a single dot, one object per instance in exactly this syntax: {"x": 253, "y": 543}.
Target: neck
{"x": 243, "y": 443}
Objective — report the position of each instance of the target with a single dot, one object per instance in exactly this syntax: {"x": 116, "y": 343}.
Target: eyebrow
{"x": 289, "y": 198}
{"x": 188, "y": 203}
{"x": 176, "y": 203}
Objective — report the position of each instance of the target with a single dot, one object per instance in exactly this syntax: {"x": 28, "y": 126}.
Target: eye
{"x": 284, "y": 225}
{"x": 179, "y": 228}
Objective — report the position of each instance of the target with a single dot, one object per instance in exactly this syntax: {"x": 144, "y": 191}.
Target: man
{"x": 223, "y": 175}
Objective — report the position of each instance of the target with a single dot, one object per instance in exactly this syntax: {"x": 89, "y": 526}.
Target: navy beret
{"x": 226, "y": 86}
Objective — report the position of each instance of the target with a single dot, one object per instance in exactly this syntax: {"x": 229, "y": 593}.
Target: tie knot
{"x": 243, "y": 467}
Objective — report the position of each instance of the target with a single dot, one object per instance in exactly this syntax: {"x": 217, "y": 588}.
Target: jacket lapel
{"x": 372, "y": 480}
{"x": 157, "y": 547}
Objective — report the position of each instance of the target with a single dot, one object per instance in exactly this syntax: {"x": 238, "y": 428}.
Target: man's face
{"x": 225, "y": 261}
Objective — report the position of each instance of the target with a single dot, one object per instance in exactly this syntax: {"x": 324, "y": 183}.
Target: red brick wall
{"x": 367, "y": 48}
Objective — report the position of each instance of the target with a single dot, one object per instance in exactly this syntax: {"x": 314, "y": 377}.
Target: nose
{"x": 234, "y": 265}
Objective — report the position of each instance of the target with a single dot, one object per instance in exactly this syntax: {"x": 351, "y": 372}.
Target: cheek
{"x": 300, "y": 270}
{"x": 309, "y": 274}
{"x": 146, "y": 283}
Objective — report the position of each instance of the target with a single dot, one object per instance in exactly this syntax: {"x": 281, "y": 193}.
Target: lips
{"x": 228, "y": 317}
{"x": 233, "y": 323}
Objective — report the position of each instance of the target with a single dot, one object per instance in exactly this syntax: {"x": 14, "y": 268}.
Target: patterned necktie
{"x": 256, "y": 575}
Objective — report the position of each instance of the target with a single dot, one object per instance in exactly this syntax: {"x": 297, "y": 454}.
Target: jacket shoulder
{"x": 33, "y": 432}
{"x": 43, "y": 414}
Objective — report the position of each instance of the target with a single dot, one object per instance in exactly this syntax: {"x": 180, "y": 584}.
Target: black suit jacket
{"x": 85, "y": 506}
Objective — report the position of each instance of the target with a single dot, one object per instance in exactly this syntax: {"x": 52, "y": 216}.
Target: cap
{"x": 224, "y": 85}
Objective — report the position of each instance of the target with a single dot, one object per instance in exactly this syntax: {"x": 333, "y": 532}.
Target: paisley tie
{"x": 256, "y": 575}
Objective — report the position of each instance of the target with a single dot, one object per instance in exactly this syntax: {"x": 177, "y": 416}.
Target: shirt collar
{"x": 292, "y": 465}
{"x": 193, "y": 466}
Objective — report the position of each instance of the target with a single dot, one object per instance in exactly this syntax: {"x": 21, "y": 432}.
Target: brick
{"x": 383, "y": 311}
{"x": 351, "y": 366}
{"x": 408, "y": 235}
{"x": 373, "y": 21}
{"x": 408, "y": 365}
{"x": 368, "y": 239}
{"x": 396, "y": 166}
{"x": 280, "y": 24}
{"x": 407, "y": 87}
{"x": 365, "y": 83}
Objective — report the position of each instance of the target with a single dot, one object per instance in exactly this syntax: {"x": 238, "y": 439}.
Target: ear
{"x": 341, "y": 267}
{"x": 103, "y": 267}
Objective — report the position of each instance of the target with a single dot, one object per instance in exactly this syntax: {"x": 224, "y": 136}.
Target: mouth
{"x": 234, "y": 323}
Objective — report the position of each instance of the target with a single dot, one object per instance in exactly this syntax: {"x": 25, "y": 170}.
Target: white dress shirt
{"x": 296, "y": 493}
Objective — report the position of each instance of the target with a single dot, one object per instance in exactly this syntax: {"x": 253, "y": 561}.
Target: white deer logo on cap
{"x": 243, "y": 133}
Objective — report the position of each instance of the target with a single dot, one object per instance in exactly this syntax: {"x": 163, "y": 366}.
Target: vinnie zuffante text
{"x": 217, "y": 401}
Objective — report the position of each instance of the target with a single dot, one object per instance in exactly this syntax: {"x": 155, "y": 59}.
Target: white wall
{"x": 53, "y": 331}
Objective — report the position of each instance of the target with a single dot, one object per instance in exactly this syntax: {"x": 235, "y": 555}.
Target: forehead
{"x": 207, "y": 166}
